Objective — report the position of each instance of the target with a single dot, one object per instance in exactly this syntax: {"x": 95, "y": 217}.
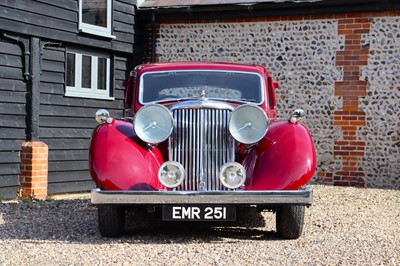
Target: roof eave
{"x": 225, "y": 11}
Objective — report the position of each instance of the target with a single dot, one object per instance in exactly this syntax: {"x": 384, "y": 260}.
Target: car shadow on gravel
{"x": 198, "y": 234}
{"x": 249, "y": 226}
{"x": 76, "y": 221}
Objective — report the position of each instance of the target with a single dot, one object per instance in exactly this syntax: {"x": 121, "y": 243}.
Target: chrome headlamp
{"x": 248, "y": 124}
{"x": 153, "y": 123}
{"x": 232, "y": 175}
{"x": 171, "y": 174}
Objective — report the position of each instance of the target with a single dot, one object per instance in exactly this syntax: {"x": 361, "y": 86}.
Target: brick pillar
{"x": 34, "y": 170}
{"x": 348, "y": 148}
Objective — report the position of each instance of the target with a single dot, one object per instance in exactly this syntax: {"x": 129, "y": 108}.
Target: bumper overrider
{"x": 269, "y": 197}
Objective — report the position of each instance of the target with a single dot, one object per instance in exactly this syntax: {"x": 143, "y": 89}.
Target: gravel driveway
{"x": 344, "y": 226}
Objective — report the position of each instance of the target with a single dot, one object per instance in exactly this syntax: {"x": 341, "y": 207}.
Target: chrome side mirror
{"x": 296, "y": 116}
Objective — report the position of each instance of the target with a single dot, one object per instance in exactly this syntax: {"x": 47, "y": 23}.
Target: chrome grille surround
{"x": 201, "y": 142}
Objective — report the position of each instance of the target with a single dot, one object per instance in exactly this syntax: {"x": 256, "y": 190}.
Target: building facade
{"x": 339, "y": 61}
{"x": 60, "y": 61}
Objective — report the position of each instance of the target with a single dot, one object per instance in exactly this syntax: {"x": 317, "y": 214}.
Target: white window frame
{"x": 93, "y": 92}
{"x": 97, "y": 30}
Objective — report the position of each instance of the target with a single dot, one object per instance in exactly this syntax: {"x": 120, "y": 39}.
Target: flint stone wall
{"x": 301, "y": 56}
{"x": 382, "y": 103}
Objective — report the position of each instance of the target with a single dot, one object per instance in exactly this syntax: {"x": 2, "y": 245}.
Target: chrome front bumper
{"x": 268, "y": 197}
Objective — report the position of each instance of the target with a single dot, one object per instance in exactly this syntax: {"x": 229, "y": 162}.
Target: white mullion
{"x": 94, "y": 74}
{"x": 78, "y": 72}
{"x": 80, "y": 22}
{"x": 108, "y": 76}
{"x": 109, "y": 15}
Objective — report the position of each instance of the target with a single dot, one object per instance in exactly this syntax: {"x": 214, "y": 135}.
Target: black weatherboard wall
{"x": 12, "y": 115}
{"x": 34, "y": 38}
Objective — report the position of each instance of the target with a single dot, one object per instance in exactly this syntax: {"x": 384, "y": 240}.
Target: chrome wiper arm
{"x": 248, "y": 100}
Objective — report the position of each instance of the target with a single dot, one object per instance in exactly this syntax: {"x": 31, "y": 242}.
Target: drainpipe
{"x": 33, "y": 96}
{"x": 153, "y": 37}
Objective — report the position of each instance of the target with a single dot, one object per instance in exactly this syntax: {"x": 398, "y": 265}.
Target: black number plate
{"x": 198, "y": 213}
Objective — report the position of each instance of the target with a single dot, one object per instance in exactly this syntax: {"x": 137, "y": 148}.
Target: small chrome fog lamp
{"x": 232, "y": 175}
{"x": 296, "y": 116}
{"x": 102, "y": 116}
{"x": 171, "y": 174}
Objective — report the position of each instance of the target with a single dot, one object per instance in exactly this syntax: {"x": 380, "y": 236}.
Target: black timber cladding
{"x": 64, "y": 123}
{"x": 58, "y": 20}
{"x": 12, "y": 116}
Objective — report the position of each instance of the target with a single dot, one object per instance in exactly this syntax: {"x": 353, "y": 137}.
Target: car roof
{"x": 201, "y": 65}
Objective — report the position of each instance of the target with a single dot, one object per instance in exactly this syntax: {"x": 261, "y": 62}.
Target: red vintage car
{"x": 200, "y": 139}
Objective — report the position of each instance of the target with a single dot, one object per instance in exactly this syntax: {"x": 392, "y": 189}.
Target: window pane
{"x": 95, "y": 12}
{"x": 86, "y": 71}
{"x": 71, "y": 70}
{"x": 102, "y": 74}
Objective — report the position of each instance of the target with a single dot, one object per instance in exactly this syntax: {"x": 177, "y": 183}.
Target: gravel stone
{"x": 345, "y": 226}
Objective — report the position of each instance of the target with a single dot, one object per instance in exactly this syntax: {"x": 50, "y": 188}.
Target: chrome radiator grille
{"x": 202, "y": 144}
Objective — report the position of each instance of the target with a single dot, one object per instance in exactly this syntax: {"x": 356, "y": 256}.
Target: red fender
{"x": 118, "y": 160}
{"x": 284, "y": 160}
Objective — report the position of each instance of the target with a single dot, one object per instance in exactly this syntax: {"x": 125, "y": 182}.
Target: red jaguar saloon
{"x": 199, "y": 140}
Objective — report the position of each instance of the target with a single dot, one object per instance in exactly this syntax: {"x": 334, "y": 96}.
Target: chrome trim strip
{"x": 264, "y": 197}
{"x": 200, "y": 104}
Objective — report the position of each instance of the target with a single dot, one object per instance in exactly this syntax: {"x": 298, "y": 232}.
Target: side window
{"x": 95, "y": 17}
{"x": 129, "y": 86}
{"x": 271, "y": 93}
{"x": 88, "y": 75}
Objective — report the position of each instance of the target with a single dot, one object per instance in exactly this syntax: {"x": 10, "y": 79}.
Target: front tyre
{"x": 289, "y": 221}
{"x": 111, "y": 220}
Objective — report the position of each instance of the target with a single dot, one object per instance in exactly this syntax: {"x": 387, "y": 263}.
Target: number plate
{"x": 198, "y": 213}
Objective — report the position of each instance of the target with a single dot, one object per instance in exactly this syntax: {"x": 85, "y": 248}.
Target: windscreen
{"x": 222, "y": 85}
